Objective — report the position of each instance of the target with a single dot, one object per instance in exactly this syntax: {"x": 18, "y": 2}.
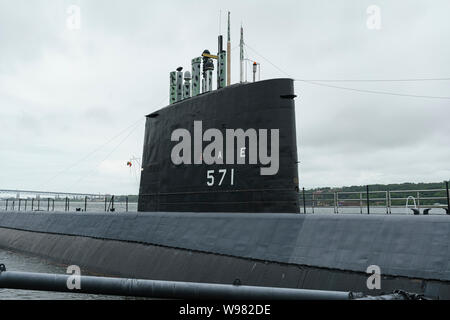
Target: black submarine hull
{"x": 324, "y": 252}
{"x": 188, "y": 230}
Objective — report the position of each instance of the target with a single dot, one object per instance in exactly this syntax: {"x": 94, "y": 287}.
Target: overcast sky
{"x": 66, "y": 92}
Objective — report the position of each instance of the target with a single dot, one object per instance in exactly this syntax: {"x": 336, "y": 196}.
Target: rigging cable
{"x": 107, "y": 156}
{"x": 373, "y": 91}
{"x": 316, "y": 82}
{"x": 76, "y": 163}
{"x": 376, "y": 80}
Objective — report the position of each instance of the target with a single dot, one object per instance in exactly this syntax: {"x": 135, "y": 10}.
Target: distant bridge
{"x": 47, "y": 193}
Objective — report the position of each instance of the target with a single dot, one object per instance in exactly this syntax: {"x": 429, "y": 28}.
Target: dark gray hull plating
{"x": 266, "y": 246}
{"x": 326, "y": 252}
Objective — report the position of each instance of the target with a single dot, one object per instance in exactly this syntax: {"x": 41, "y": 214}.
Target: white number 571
{"x": 223, "y": 172}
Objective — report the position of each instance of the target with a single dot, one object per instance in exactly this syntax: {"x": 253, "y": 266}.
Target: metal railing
{"x": 376, "y": 202}
{"x": 362, "y": 202}
{"x": 72, "y": 203}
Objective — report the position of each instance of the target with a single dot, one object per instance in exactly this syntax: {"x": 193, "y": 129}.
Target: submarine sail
{"x": 238, "y": 180}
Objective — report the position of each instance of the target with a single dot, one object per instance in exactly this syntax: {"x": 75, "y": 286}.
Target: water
{"x": 19, "y": 262}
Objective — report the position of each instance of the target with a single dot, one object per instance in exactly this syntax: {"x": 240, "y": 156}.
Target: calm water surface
{"x": 19, "y": 262}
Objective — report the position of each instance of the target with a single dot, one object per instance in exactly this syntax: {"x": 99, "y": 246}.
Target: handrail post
{"x": 387, "y": 201}
{"x": 312, "y": 204}
{"x": 334, "y": 202}
{"x": 19, "y": 204}
{"x": 8, "y": 199}
{"x": 368, "y": 203}
{"x": 126, "y": 201}
{"x": 26, "y": 204}
{"x": 360, "y": 203}
{"x": 85, "y": 203}
{"x": 448, "y": 198}
{"x": 304, "y": 202}
{"x": 39, "y": 203}
{"x": 337, "y": 202}
{"x": 32, "y": 204}
{"x": 48, "y": 204}
{"x": 418, "y": 200}
{"x": 106, "y": 200}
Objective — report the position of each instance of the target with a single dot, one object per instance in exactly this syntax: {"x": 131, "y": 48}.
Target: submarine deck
{"x": 412, "y": 246}
{"x": 329, "y": 252}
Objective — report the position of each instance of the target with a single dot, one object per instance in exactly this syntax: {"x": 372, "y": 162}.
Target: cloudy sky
{"x": 73, "y": 97}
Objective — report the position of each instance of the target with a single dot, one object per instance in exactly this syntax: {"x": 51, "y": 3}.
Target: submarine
{"x": 219, "y": 204}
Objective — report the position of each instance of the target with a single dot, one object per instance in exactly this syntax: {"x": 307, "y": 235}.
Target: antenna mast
{"x": 229, "y": 53}
{"x": 242, "y": 54}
